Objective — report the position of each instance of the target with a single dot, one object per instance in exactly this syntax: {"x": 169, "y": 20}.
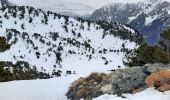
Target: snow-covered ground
{"x": 55, "y": 89}
{"x": 50, "y": 89}
{"x": 148, "y": 94}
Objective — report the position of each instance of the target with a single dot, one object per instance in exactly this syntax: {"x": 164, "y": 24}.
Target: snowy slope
{"x": 37, "y": 36}
{"x": 59, "y": 6}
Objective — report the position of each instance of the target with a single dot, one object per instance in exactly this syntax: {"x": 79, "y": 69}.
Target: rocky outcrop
{"x": 159, "y": 80}
{"x": 92, "y": 86}
{"x": 128, "y": 80}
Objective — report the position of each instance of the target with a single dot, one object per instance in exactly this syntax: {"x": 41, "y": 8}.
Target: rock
{"x": 126, "y": 80}
{"x": 153, "y": 68}
{"x": 164, "y": 88}
{"x": 106, "y": 88}
{"x": 92, "y": 86}
{"x": 160, "y": 80}
{"x": 137, "y": 90}
{"x": 118, "y": 82}
{"x": 151, "y": 79}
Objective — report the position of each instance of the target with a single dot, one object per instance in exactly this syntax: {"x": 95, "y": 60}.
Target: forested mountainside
{"x": 51, "y": 41}
{"x": 149, "y": 17}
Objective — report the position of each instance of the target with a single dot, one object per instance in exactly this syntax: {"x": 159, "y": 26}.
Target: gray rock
{"x": 153, "y": 68}
{"x": 126, "y": 80}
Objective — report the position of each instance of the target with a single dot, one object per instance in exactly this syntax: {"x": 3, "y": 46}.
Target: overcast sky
{"x": 91, "y": 3}
{"x": 100, "y": 3}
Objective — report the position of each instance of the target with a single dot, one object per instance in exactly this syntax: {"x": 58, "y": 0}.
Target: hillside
{"x": 50, "y": 42}
{"x": 64, "y": 43}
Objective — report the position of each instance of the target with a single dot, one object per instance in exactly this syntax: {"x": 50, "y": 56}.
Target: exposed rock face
{"x": 129, "y": 80}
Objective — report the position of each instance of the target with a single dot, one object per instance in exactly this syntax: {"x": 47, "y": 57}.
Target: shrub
{"x": 146, "y": 54}
{"x": 3, "y": 44}
{"x": 19, "y": 71}
{"x": 166, "y": 34}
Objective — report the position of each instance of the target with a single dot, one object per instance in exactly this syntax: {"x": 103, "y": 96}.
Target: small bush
{"x": 3, "y": 44}
{"x": 147, "y": 54}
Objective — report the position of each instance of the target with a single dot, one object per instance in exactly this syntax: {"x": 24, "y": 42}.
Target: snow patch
{"x": 132, "y": 18}
{"x": 150, "y": 19}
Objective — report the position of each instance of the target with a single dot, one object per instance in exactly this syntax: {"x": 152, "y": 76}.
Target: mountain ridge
{"x": 142, "y": 16}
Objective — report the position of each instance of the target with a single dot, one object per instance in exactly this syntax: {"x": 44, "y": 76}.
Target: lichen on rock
{"x": 126, "y": 80}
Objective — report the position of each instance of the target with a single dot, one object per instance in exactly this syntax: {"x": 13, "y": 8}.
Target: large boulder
{"x": 126, "y": 80}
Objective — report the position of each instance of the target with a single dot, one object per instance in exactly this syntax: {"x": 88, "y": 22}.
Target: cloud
{"x": 100, "y": 3}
